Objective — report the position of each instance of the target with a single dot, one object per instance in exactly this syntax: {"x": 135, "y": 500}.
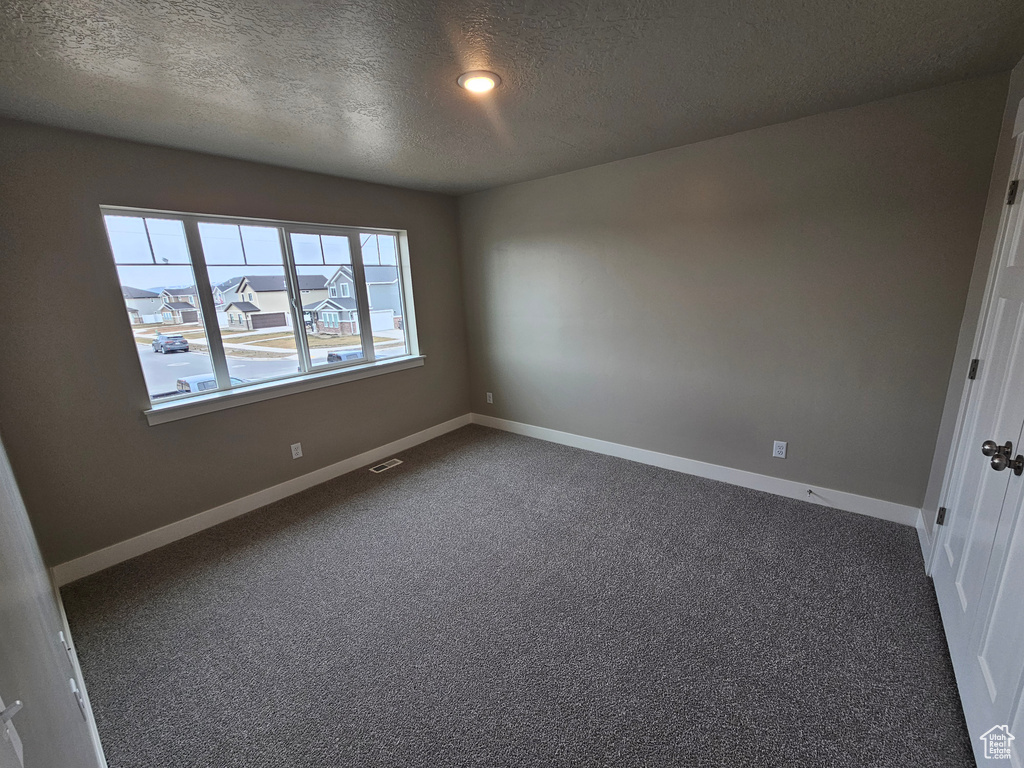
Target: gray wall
{"x": 965, "y": 343}
{"x": 71, "y": 398}
{"x": 801, "y": 282}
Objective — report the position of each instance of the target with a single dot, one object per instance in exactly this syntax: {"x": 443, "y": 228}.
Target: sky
{"x": 152, "y": 253}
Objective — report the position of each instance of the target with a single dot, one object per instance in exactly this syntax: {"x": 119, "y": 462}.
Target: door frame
{"x": 999, "y": 253}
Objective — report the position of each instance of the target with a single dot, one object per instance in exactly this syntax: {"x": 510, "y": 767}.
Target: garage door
{"x": 190, "y": 316}
{"x": 382, "y": 320}
{"x": 269, "y": 320}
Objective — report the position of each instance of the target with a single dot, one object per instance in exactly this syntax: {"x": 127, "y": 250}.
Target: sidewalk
{"x": 398, "y": 336}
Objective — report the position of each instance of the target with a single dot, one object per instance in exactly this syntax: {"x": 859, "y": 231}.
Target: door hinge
{"x": 1011, "y": 196}
{"x": 973, "y": 373}
{"x": 940, "y": 518}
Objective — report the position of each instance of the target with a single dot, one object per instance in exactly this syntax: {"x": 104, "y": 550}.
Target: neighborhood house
{"x": 338, "y": 313}
{"x": 254, "y": 302}
{"x": 223, "y": 294}
{"x": 143, "y": 306}
{"x": 180, "y": 305}
{"x": 261, "y": 301}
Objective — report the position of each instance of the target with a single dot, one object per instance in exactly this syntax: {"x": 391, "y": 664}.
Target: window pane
{"x": 306, "y": 249}
{"x": 370, "y": 250}
{"x": 128, "y": 239}
{"x": 330, "y": 314}
{"x": 221, "y": 243}
{"x": 262, "y": 245}
{"x": 384, "y": 291}
{"x": 254, "y": 315}
{"x": 336, "y": 249}
{"x": 387, "y": 247}
{"x": 168, "y": 239}
{"x": 166, "y": 320}
{"x": 329, "y": 310}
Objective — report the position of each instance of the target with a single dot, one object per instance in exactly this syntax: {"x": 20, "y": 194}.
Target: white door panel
{"x": 1017, "y": 726}
{"x": 979, "y": 564}
{"x": 999, "y": 416}
{"x": 35, "y": 668}
{"x": 999, "y": 637}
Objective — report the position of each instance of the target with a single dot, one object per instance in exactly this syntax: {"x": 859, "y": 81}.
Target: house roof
{"x": 345, "y": 270}
{"x": 380, "y": 274}
{"x": 223, "y": 286}
{"x": 180, "y": 291}
{"x": 179, "y": 305}
{"x": 137, "y": 293}
{"x": 267, "y": 283}
{"x": 243, "y": 306}
{"x": 374, "y": 274}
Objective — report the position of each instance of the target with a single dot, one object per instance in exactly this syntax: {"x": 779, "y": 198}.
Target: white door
{"x": 35, "y": 667}
{"x": 979, "y": 563}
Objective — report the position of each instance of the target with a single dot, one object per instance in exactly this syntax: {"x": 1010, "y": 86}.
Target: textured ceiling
{"x": 366, "y": 89}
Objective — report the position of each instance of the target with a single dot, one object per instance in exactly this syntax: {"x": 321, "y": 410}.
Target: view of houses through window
{"x": 284, "y": 300}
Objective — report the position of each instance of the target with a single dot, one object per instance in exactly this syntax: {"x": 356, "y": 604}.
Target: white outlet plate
{"x": 490, "y": 398}
{"x": 779, "y": 449}
{"x": 296, "y": 450}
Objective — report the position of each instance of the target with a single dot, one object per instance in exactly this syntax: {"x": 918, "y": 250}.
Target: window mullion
{"x": 295, "y": 300}
{"x": 201, "y": 275}
{"x": 405, "y": 282}
{"x": 362, "y": 298}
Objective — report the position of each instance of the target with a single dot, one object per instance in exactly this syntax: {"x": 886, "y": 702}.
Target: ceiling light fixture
{"x": 479, "y": 81}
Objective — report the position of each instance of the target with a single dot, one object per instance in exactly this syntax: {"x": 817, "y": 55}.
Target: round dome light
{"x": 479, "y": 81}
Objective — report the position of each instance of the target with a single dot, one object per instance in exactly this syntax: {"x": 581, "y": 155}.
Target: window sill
{"x": 219, "y": 401}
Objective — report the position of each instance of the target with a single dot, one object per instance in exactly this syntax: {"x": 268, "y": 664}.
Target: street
{"x": 163, "y": 371}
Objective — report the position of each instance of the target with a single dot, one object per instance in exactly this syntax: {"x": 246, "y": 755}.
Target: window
{"x": 384, "y": 291}
{"x": 294, "y": 268}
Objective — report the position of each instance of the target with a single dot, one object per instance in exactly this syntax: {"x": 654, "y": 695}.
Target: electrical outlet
{"x": 296, "y": 450}
{"x": 779, "y": 451}
{"x": 490, "y": 398}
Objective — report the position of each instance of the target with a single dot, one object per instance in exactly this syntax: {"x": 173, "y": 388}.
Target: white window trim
{"x": 346, "y": 291}
{"x": 321, "y": 376}
{"x": 268, "y": 390}
{"x": 332, "y": 292}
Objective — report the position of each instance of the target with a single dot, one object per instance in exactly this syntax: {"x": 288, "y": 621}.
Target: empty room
{"x": 444, "y": 384}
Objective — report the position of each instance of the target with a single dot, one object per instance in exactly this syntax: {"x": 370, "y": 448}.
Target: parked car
{"x": 342, "y": 357}
{"x": 202, "y": 383}
{"x": 170, "y": 342}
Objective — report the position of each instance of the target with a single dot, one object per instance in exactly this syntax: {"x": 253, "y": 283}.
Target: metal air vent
{"x": 386, "y": 465}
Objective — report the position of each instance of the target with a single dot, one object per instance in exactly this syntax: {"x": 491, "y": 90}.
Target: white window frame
{"x": 309, "y": 377}
{"x": 346, "y": 291}
{"x": 332, "y": 291}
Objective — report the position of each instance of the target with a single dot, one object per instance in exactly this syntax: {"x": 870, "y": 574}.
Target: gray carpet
{"x": 501, "y": 601}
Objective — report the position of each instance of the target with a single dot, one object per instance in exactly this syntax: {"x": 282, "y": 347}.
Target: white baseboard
{"x": 927, "y": 542}
{"x": 88, "y": 564}
{"x": 826, "y": 497}
{"x": 96, "y": 561}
